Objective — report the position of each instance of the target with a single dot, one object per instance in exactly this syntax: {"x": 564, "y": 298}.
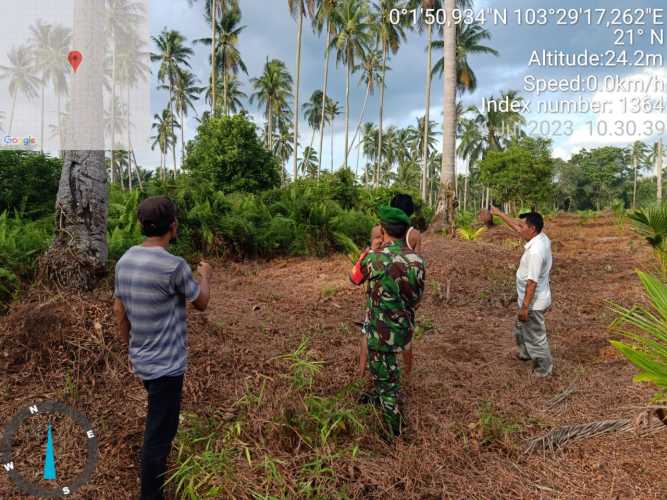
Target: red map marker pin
{"x": 75, "y": 58}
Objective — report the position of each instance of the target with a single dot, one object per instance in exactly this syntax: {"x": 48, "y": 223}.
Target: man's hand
{"x": 205, "y": 270}
{"x": 523, "y": 314}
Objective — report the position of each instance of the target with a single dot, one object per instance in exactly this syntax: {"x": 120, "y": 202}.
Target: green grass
{"x": 494, "y": 428}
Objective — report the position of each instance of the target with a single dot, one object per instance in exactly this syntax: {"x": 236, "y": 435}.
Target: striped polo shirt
{"x": 153, "y": 286}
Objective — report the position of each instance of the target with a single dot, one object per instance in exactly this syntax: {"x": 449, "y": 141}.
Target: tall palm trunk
{"x": 444, "y": 214}
{"x": 41, "y": 139}
{"x": 129, "y": 149}
{"x": 171, "y": 118}
{"x": 224, "y": 92}
{"x": 634, "y": 187}
{"x": 465, "y": 193}
{"x": 380, "y": 131}
{"x": 182, "y": 137}
{"x": 347, "y": 109}
{"x": 324, "y": 96}
{"x": 269, "y": 132}
{"x": 429, "y": 64}
{"x": 214, "y": 66}
{"x": 78, "y": 255}
{"x": 297, "y": 83}
{"x": 60, "y": 126}
{"x": 332, "y": 146}
{"x": 11, "y": 114}
{"x": 658, "y": 171}
{"x": 113, "y": 107}
{"x": 356, "y": 170}
{"x": 361, "y": 116}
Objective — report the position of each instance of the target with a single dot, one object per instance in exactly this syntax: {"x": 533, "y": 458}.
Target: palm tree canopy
{"x": 274, "y": 86}
{"x": 354, "y": 35}
{"x": 389, "y": 35}
{"x": 50, "y": 46}
{"x": 20, "y": 73}
{"x": 468, "y": 42}
{"x": 312, "y": 109}
{"x": 186, "y": 91}
{"x": 172, "y": 55}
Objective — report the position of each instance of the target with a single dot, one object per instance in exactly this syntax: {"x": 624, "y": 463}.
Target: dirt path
{"x": 470, "y": 404}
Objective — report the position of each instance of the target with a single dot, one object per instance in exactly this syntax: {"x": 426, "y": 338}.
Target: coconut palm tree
{"x": 308, "y": 163}
{"x": 311, "y": 112}
{"x": 426, "y": 5}
{"x": 351, "y": 43}
{"x": 499, "y": 127}
{"x": 470, "y": 149}
{"x": 114, "y": 123}
{"x": 325, "y": 19}
{"x": 122, "y": 18}
{"x": 213, "y": 11}
{"x": 638, "y": 153}
{"x": 369, "y": 142}
{"x": 132, "y": 67}
{"x": 234, "y": 95}
{"x": 389, "y": 37}
{"x": 283, "y": 148}
{"x": 371, "y": 76}
{"x": 299, "y": 9}
{"x": 49, "y": 45}
{"x": 186, "y": 92}
{"x": 333, "y": 110}
{"x": 22, "y": 78}
{"x": 416, "y": 137}
{"x": 173, "y": 55}
{"x": 444, "y": 213}
{"x": 164, "y": 137}
{"x": 228, "y": 56}
{"x": 272, "y": 90}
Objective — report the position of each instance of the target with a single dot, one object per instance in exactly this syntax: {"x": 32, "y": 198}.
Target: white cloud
{"x": 622, "y": 126}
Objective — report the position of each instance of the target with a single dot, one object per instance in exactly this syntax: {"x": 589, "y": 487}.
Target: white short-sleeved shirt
{"x": 535, "y": 265}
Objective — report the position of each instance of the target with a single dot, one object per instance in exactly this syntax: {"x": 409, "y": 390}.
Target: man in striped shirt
{"x": 151, "y": 289}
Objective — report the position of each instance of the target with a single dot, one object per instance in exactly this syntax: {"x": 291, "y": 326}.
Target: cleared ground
{"x": 471, "y": 405}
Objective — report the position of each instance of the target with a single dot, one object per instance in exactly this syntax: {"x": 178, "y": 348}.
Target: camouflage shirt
{"x": 395, "y": 276}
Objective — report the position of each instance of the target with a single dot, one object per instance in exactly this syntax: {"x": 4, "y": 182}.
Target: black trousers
{"x": 164, "y": 408}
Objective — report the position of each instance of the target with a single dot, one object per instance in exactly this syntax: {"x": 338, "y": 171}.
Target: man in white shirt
{"x": 532, "y": 286}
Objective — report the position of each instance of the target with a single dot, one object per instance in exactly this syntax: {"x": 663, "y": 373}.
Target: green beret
{"x": 393, "y": 215}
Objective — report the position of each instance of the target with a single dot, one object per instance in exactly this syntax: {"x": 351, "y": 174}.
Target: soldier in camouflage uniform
{"x": 395, "y": 276}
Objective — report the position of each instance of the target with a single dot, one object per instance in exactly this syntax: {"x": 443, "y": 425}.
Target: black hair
{"x": 404, "y": 202}
{"x": 156, "y": 215}
{"x": 534, "y": 219}
{"x": 395, "y": 229}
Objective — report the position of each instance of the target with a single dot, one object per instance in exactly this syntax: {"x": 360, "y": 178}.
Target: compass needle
{"x": 50, "y": 459}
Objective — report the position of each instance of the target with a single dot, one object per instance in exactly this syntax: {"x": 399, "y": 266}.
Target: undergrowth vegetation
{"x": 311, "y": 217}
{"x": 312, "y": 434}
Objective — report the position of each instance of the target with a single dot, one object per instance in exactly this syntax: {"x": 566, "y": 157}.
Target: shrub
{"x": 227, "y": 153}
{"x": 28, "y": 183}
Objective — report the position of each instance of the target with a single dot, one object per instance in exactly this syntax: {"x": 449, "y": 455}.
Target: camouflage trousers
{"x": 386, "y": 374}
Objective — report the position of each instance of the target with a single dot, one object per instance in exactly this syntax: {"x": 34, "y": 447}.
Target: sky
{"x": 270, "y": 32}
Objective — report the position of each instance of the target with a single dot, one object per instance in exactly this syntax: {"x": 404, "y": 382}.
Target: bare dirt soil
{"x": 470, "y": 405}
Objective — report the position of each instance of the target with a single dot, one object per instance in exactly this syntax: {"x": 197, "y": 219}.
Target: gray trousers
{"x": 531, "y": 338}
